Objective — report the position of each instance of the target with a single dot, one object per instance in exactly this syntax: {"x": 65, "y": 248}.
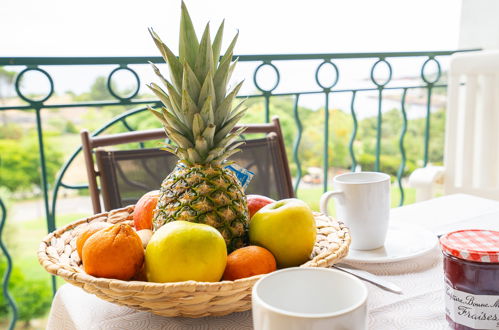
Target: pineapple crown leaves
{"x": 198, "y": 113}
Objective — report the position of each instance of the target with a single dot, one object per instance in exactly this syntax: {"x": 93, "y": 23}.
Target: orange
{"x": 248, "y": 261}
{"x": 91, "y": 229}
{"x": 115, "y": 252}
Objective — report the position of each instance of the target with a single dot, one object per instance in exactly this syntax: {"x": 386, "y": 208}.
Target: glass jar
{"x": 471, "y": 267}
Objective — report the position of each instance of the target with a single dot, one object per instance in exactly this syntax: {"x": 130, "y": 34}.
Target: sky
{"x": 119, "y": 28}
{"x": 116, "y": 28}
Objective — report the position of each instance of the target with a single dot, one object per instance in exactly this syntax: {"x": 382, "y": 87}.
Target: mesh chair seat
{"x": 127, "y": 174}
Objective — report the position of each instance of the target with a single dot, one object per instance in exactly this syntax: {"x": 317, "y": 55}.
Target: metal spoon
{"x": 371, "y": 278}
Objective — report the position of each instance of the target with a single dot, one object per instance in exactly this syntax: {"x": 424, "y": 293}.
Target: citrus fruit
{"x": 249, "y": 261}
{"x": 91, "y": 229}
{"x": 183, "y": 251}
{"x": 114, "y": 252}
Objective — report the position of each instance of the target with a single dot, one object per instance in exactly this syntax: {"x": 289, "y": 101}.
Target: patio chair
{"x": 471, "y": 156}
{"x": 125, "y": 175}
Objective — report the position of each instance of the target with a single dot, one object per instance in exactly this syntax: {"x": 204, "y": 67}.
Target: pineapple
{"x": 198, "y": 117}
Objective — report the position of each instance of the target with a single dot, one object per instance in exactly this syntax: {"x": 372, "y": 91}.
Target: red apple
{"x": 256, "y": 202}
{"x": 144, "y": 210}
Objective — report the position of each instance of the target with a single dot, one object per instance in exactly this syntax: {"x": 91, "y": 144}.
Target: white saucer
{"x": 403, "y": 242}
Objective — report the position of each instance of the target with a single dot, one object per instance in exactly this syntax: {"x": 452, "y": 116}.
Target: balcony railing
{"x": 428, "y": 81}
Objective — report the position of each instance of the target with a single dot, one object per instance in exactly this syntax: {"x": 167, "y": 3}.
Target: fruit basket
{"x": 57, "y": 254}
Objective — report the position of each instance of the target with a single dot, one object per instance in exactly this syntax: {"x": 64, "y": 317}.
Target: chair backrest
{"x": 471, "y": 156}
{"x": 125, "y": 175}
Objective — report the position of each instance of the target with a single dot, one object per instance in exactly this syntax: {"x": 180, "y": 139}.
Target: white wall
{"x": 479, "y": 26}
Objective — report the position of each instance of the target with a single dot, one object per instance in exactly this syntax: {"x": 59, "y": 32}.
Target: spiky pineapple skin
{"x": 207, "y": 194}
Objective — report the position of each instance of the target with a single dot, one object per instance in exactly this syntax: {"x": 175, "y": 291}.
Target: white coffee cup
{"x": 363, "y": 203}
{"x": 304, "y": 298}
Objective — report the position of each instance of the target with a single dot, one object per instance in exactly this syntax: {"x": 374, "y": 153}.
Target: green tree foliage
{"x": 388, "y": 164}
{"x": 70, "y": 128}
{"x": 98, "y": 91}
{"x": 311, "y": 147}
{"x": 413, "y": 141}
{"x": 96, "y": 117}
{"x": 20, "y": 165}
{"x": 17, "y": 164}
{"x": 32, "y": 297}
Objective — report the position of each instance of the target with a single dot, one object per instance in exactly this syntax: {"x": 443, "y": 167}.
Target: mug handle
{"x": 325, "y": 198}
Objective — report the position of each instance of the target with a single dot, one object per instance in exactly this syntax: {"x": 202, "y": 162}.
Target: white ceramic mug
{"x": 303, "y": 298}
{"x": 363, "y": 203}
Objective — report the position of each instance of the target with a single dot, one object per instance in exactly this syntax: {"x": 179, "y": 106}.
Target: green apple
{"x": 287, "y": 229}
{"x": 182, "y": 251}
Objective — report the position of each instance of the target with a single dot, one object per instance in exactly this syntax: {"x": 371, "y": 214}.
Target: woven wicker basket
{"x": 58, "y": 255}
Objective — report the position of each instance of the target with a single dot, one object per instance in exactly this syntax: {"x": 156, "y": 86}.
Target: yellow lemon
{"x": 183, "y": 251}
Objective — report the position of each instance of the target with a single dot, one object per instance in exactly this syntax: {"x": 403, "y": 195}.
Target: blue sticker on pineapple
{"x": 243, "y": 175}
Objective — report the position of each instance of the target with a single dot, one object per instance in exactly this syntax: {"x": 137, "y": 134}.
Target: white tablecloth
{"x": 420, "y": 307}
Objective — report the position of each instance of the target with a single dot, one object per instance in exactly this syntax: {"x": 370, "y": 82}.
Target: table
{"x": 420, "y": 307}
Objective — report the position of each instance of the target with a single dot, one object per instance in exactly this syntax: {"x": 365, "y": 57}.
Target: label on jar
{"x": 474, "y": 311}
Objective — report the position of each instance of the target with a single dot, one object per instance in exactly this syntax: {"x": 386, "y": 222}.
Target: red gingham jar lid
{"x": 473, "y": 245}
